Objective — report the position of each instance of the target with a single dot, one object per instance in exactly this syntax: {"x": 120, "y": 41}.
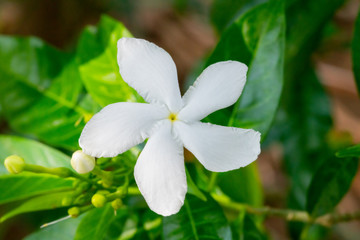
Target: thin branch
{"x": 290, "y": 215}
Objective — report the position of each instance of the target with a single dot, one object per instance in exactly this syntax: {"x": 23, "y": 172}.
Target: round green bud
{"x": 74, "y": 212}
{"x": 14, "y": 164}
{"x": 98, "y": 200}
{"x": 116, "y": 204}
{"x": 81, "y": 162}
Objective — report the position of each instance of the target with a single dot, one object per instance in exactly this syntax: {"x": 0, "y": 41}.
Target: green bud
{"x": 98, "y": 200}
{"x": 74, "y": 212}
{"x": 14, "y": 164}
{"x": 116, "y": 204}
{"x": 82, "y": 163}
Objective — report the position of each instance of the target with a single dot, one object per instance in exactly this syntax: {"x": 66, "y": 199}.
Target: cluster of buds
{"x": 93, "y": 190}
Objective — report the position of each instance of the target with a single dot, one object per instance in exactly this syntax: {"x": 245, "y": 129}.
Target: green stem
{"x": 133, "y": 191}
{"x": 59, "y": 171}
{"x": 288, "y": 214}
{"x": 107, "y": 177}
{"x": 212, "y": 182}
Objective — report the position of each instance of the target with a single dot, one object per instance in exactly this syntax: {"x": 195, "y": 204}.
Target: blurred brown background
{"x": 183, "y": 29}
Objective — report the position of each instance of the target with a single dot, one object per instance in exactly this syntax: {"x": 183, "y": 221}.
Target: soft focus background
{"x": 183, "y": 28}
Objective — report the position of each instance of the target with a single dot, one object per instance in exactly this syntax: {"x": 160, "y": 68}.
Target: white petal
{"x": 118, "y": 127}
{"x": 150, "y": 70}
{"x": 218, "y": 86}
{"x": 160, "y": 172}
{"x": 219, "y": 148}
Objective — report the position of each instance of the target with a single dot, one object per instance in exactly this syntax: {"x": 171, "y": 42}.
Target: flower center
{"x": 172, "y": 117}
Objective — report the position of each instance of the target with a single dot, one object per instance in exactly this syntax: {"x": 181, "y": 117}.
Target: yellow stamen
{"x": 172, "y": 117}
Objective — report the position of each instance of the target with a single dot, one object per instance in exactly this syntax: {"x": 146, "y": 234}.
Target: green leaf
{"x": 303, "y": 130}
{"x": 330, "y": 183}
{"x": 247, "y": 185}
{"x": 302, "y": 126}
{"x": 257, "y": 39}
{"x": 43, "y": 202}
{"x": 16, "y": 187}
{"x": 64, "y": 230}
{"x": 97, "y": 38}
{"x": 95, "y": 224}
{"x": 353, "y": 151}
{"x": 306, "y": 20}
{"x": 32, "y": 151}
{"x": 197, "y": 220}
{"x": 224, "y": 12}
{"x": 356, "y": 52}
{"x": 245, "y": 228}
{"x": 304, "y": 118}
{"x": 41, "y": 91}
{"x": 261, "y": 45}
{"x": 101, "y": 73}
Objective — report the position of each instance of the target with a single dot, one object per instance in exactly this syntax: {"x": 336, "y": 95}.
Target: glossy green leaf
{"x": 97, "y": 38}
{"x": 247, "y": 185}
{"x": 353, "y": 151}
{"x": 224, "y": 12}
{"x": 41, "y": 91}
{"x": 101, "y": 74}
{"x": 43, "y": 202}
{"x": 197, "y": 220}
{"x": 64, "y": 230}
{"x": 356, "y": 52}
{"x": 261, "y": 45}
{"x": 32, "y": 151}
{"x": 302, "y": 127}
{"x": 244, "y": 227}
{"x": 96, "y": 223}
{"x": 16, "y": 187}
{"x": 305, "y": 20}
{"x": 257, "y": 39}
{"x": 329, "y": 185}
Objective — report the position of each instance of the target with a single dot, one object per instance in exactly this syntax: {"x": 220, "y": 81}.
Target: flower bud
{"x": 14, "y": 164}
{"x": 74, "y": 212}
{"x": 82, "y": 163}
{"x": 116, "y": 204}
{"x": 98, "y": 200}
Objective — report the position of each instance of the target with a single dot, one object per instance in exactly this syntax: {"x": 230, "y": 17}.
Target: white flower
{"x": 171, "y": 123}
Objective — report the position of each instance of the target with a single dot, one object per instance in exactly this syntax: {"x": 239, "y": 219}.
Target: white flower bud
{"x": 82, "y": 163}
{"x": 14, "y": 164}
